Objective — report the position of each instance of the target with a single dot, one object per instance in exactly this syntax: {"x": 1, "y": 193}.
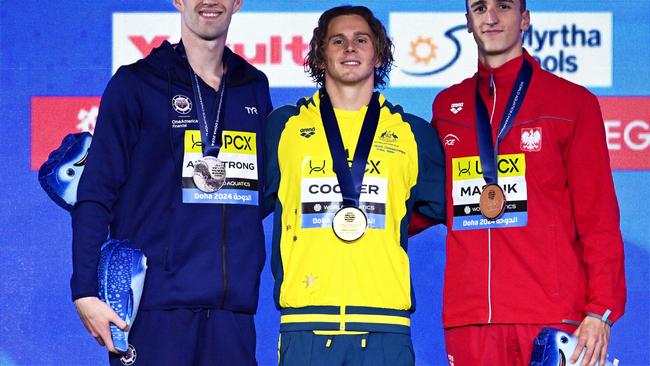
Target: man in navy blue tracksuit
{"x": 175, "y": 167}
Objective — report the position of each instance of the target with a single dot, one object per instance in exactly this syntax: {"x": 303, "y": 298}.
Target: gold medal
{"x": 349, "y": 224}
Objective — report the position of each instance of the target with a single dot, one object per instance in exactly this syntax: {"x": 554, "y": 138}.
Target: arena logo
{"x": 52, "y": 118}
{"x": 435, "y": 49}
{"x": 279, "y": 51}
{"x": 627, "y": 129}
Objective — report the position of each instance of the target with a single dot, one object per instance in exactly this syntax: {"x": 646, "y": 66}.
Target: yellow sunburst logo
{"x": 423, "y": 50}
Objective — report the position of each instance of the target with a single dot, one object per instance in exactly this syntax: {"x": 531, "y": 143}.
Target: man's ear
{"x": 236, "y": 5}
{"x": 178, "y": 4}
{"x": 525, "y": 21}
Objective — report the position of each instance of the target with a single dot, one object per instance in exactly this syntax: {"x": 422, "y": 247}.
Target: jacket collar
{"x": 505, "y": 75}
{"x": 170, "y": 58}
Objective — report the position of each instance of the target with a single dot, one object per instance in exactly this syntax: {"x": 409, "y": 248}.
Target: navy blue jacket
{"x": 199, "y": 255}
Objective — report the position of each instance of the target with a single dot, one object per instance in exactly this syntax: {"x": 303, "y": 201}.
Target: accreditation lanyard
{"x": 349, "y": 179}
{"x": 488, "y": 151}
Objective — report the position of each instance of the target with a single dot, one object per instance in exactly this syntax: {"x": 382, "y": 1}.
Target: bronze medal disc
{"x": 492, "y": 202}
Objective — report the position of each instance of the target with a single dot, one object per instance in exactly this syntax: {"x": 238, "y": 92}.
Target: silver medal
{"x": 349, "y": 224}
{"x": 209, "y": 174}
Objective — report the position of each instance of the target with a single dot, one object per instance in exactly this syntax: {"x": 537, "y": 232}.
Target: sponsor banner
{"x": 435, "y": 49}
{"x": 52, "y": 118}
{"x": 136, "y": 34}
{"x": 431, "y": 49}
{"x": 279, "y": 51}
{"x": 627, "y": 128}
{"x": 575, "y": 46}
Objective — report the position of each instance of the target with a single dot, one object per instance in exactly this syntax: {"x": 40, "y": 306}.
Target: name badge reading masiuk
{"x": 209, "y": 174}
{"x": 349, "y": 224}
{"x": 492, "y": 202}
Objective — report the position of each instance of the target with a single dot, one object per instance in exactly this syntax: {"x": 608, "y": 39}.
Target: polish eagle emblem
{"x": 531, "y": 139}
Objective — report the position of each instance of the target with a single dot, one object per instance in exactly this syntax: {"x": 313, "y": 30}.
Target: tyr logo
{"x": 251, "y": 110}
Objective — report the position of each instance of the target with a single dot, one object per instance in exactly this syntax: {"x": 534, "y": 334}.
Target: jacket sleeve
{"x": 273, "y": 130}
{"x": 596, "y": 213}
{"x": 106, "y": 170}
{"x": 430, "y": 199}
{"x": 264, "y": 100}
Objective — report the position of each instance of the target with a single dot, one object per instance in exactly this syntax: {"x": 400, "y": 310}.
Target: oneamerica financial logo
{"x": 279, "y": 51}
{"x": 435, "y": 49}
{"x": 182, "y": 104}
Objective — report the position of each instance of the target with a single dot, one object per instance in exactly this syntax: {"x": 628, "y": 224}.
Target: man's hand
{"x": 97, "y": 316}
{"x": 593, "y": 334}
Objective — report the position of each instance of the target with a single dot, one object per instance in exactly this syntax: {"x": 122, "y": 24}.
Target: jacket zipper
{"x": 493, "y": 91}
{"x": 223, "y": 256}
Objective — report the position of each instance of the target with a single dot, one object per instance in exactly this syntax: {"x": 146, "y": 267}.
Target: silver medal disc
{"x": 349, "y": 224}
{"x": 209, "y": 174}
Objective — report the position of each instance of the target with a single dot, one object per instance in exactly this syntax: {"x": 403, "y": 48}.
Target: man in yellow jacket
{"x": 344, "y": 170}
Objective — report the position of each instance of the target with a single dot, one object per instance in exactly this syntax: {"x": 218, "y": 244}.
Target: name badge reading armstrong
{"x": 349, "y": 224}
{"x": 492, "y": 202}
{"x": 209, "y": 174}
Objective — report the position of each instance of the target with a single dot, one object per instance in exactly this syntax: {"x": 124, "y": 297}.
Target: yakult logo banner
{"x": 435, "y": 49}
{"x": 627, "y": 128}
{"x": 55, "y": 117}
{"x": 136, "y": 34}
{"x": 278, "y": 51}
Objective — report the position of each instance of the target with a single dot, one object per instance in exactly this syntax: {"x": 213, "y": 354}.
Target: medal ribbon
{"x": 488, "y": 150}
{"x": 213, "y": 144}
{"x": 209, "y": 145}
{"x": 350, "y": 179}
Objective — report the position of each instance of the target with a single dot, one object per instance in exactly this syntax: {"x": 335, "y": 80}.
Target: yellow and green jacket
{"x": 321, "y": 282}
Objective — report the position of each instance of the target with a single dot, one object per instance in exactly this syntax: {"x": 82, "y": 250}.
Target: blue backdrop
{"x": 65, "y": 48}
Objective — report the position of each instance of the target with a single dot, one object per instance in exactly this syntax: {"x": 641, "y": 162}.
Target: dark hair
{"x": 383, "y": 45}
{"x": 522, "y": 7}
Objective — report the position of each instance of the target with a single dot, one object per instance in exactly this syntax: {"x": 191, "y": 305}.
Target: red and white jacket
{"x": 559, "y": 256}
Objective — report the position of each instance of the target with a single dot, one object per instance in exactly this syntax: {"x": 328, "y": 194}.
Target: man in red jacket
{"x": 533, "y": 223}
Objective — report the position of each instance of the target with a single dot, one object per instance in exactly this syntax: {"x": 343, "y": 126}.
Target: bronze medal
{"x": 493, "y": 202}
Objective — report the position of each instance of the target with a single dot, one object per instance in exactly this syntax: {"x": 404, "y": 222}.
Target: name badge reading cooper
{"x": 349, "y": 224}
{"x": 209, "y": 174}
{"x": 492, "y": 202}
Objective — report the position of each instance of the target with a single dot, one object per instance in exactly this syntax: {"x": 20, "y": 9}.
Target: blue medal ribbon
{"x": 210, "y": 144}
{"x": 488, "y": 151}
{"x": 350, "y": 179}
